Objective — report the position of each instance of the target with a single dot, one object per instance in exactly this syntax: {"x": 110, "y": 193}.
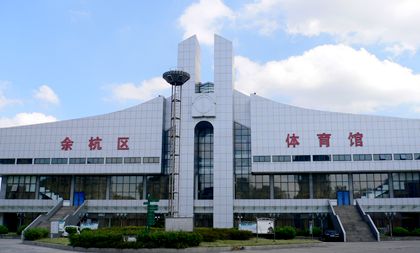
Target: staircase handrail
{"x": 74, "y": 218}
{"x": 337, "y": 221}
{"x": 42, "y": 217}
{"x": 369, "y": 221}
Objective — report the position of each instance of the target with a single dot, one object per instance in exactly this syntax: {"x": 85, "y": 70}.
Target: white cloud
{"x": 26, "y": 119}
{"x": 205, "y": 18}
{"x": 332, "y": 77}
{"x": 4, "y": 101}
{"x": 145, "y": 90}
{"x": 393, "y": 23}
{"x": 45, "y": 93}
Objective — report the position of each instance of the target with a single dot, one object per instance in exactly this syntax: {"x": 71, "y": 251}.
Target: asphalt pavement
{"x": 16, "y": 246}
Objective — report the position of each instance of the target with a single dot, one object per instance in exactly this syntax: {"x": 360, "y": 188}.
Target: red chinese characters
{"x": 292, "y": 140}
{"x": 324, "y": 139}
{"x": 95, "y": 143}
{"x": 66, "y": 144}
{"x": 122, "y": 143}
{"x": 356, "y": 139}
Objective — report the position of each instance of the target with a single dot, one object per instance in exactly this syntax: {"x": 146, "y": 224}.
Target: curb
{"x": 164, "y": 250}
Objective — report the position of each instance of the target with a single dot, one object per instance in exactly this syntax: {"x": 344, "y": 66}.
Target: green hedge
{"x": 71, "y": 230}
{"x": 400, "y": 231}
{"x": 36, "y": 233}
{"x": 416, "y": 232}
{"x": 286, "y": 232}
{"x": 113, "y": 239}
{"x": 20, "y": 229}
{"x": 213, "y": 234}
{"x": 3, "y": 230}
{"x": 129, "y": 230}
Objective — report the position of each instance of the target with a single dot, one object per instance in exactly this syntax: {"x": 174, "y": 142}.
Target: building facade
{"x": 241, "y": 157}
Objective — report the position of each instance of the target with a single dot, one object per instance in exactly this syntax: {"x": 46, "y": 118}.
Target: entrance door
{"x": 343, "y": 198}
{"x": 79, "y": 198}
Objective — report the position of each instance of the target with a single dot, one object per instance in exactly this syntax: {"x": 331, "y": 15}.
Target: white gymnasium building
{"x": 241, "y": 156}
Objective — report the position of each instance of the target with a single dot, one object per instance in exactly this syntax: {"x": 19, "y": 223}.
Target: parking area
{"x": 15, "y": 246}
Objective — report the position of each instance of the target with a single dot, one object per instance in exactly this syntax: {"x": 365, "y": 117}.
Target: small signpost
{"x": 151, "y": 208}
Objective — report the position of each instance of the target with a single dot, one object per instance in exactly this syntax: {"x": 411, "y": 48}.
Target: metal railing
{"x": 41, "y": 218}
{"x": 337, "y": 222}
{"x": 74, "y": 218}
{"x": 368, "y": 220}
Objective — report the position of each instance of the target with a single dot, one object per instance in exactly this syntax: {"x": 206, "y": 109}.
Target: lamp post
{"x": 390, "y": 216}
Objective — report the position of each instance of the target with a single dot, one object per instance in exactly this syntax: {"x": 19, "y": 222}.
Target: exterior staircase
{"x": 357, "y": 230}
{"x": 59, "y": 215}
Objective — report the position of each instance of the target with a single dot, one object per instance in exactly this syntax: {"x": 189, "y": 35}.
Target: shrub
{"x": 71, "y": 230}
{"x": 178, "y": 240}
{"x": 20, "y": 229}
{"x": 286, "y": 232}
{"x": 158, "y": 239}
{"x": 36, "y": 233}
{"x": 400, "y": 231}
{"x": 316, "y": 231}
{"x": 416, "y": 232}
{"x": 3, "y": 230}
{"x": 213, "y": 234}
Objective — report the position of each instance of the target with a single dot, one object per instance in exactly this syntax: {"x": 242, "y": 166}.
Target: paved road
{"x": 15, "y": 246}
{"x": 353, "y": 247}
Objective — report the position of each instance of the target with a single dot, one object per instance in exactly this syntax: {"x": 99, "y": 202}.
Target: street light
{"x": 390, "y": 216}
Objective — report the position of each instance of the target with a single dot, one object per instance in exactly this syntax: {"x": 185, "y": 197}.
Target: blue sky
{"x": 69, "y": 59}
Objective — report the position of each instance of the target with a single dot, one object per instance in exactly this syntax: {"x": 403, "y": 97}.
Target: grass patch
{"x": 255, "y": 242}
{"x": 60, "y": 241}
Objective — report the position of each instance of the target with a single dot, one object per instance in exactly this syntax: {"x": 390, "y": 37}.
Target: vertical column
{"x": 144, "y": 187}
{"x": 391, "y": 185}
{"x": 37, "y": 187}
{"x": 351, "y": 188}
{"x": 311, "y": 186}
{"x": 72, "y": 182}
{"x": 108, "y": 187}
{"x": 188, "y": 61}
{"x": 271, "y": 186}
{"x": 223, "y": 134}
{"x": 3, "y": 187}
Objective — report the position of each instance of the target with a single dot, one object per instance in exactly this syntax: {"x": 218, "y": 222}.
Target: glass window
{"x": 382, "y": 157}
{"x": 132, "y": 159}
{"x": 127, "y": 187}
{"x": 151, "y": 159}
{"x": 158, "y": 186}
{"x": 203, "y": 160}
{"x": 362, "y": 157}
{"x": 95, "y": 160}
{"x": 81, "y": 160}
{"x": 327, "y": 185}
{"x": 24, "y": 161}
{"x": 403, "y": 156}
{"x": 301, "y": 158}
{"x": 341, "y": 158}
{"x": 42, "y": 161}
{"x": 417, "y": 156}
{"x": 20, "y": 187}
{"x": 59, "y": 161}
{"x": 7, "y": 161}
{"x": 282, "y": 158}
{"x": 94, "y": 187}
{"x": 262, "y": 159}
{"x": 252, "y": 187}
{"x": 370, "y": 185}
{"x": 207, "y": 87}
{"x": 321, "y": 158}
{"x": 54, "y": 187}
{"x": 291, "y": 186}
{"x": 113, "y": 160}
{"x": 406, "y": 184}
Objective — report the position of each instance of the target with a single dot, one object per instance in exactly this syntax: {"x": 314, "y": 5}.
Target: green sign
{"x": 151, "y": 208}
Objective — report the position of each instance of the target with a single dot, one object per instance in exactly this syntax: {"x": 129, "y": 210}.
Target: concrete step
{"x": 357, "y": 230}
